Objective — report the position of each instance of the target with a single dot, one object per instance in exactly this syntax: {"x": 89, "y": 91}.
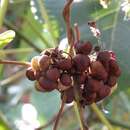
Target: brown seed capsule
{"x": 98, "y": 71}
{"x": 69, "y": 95}
{"x": 90, "y": 98}
{"x": 47, "y": 51}
{"x": 83, "y": 47}
{"x": 53, "y": 74}
{"x": 66, "y": 79}
{"x": 64, "y": 64}
{"x": 47, "y": 84}
{"x": 30, "y": 74}
{"x": 37, "y": 74}
{"x": 103, "y": 56}
{"x": 93, "y": 85}
{"x": 81, "y": 62}
{"x": 44, "y": 62}
{"x": 34, "y": 63}
{"x": 112, "y": 80}
{"x": 103, "y": 92}
{"x": 38, "y": 87}
{"x": 114, "y": 68}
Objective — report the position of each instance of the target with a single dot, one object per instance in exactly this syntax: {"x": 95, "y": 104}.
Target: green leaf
{"x": 6, "y": 38}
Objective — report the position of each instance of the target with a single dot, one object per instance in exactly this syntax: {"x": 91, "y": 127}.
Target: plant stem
{"x": 30, "y": 43}
{"x": 3, "y": 122}
{"x": 27, "y": 64}
{"x": 78, "y": 108}
{"x": 12, "y": 78}
{"x": 79, "y": 116}
{"x": 3, "y": 8}
{"x": 70, "y": 36}
{"x": 60, "y": 112}
{"x": 101, "y": 116}
{"x": 46, "y": 19}
{"x": 77, "y": 32}
{"x": 37, "y": 32}
{"x": 69, "y": 30}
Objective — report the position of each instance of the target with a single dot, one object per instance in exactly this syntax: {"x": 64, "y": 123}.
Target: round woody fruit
{"x": 98, "y": 71}
{"x": 83, "y": 47}
{"x": 34, "y": 63}
{"x": 103, "y": 56}
{"x": 93, "y": 85}
{"x": 90, "y": 98}
{"x": 69, "y": 93}
{"x": 112, "y": 80}
{"x": 64, "y": 64}
{"x": 103, "y": 92}
{"x": 30, "y": 74}
{"x": 47, "y": 84}
{"x": 81, "y": 62}
{"x": 44, "y": 62}
{"x": 66, "y": 80}
{"x": 53, "y": 74}
{"x": 114, "y": 68}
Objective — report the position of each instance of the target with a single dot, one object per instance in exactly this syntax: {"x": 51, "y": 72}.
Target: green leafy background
{"x": 115, "y": 36}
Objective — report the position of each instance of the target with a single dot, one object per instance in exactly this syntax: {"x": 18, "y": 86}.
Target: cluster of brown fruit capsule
{"x": 92, "y": 72}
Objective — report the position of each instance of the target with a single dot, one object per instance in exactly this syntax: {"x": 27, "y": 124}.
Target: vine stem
{"x": 79, "y": 115}
{"x": 71, "y": 40}
{"x": 69, "y": 30}
{"x": 77, "y": 32}
{"x": 101, "y": 116}
{"x": 3, "y": 8}
{"x": 13, "y": 78}
{"x": 60, "y": 112}
{"x": 27, "y": 64}
{"x": 78, "y": 108}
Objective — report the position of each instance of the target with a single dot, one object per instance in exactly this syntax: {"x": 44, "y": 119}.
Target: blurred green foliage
{"x": 42, "y": 23}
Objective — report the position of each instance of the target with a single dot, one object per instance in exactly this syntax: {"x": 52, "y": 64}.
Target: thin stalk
{"x": 27, "y": 64}
{"x": 71, "y": 38}
{"x": 78, "y": 108}
{"x": 69, "y": 31}
{"x": 50, "y": 122}
{"x": 79, "y": 116}
{"x": 14, "y": 51}
{"x": 46, "y": 18}
{"x": 20, "y": 34}
{"x": 101, "y": 116}
{"x": 77, "y": 32}
{"x": 3, "y": 8}
{"x": 12, "y": 78}
{"x": 37, "y": 32}
{"x": 59, "y": 113}
{"x": 4, "y": 122}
